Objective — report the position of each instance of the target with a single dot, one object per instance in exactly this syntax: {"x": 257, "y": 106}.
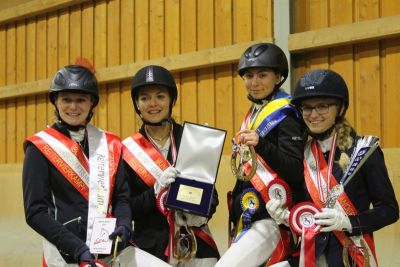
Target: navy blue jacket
{"x": 151, "y": 228}
{"x": 369, "y": 186}
{"x": 56, "y": 210}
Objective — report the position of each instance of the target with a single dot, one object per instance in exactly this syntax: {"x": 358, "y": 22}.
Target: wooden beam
{"x": 357, "y": 32}
{"x": 33, "y": 8}
{"x": 187, "y": 61}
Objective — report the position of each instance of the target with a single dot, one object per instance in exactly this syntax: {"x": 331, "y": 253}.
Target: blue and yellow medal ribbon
{"x": 272, "y": 114}
{"x": 250, "y": 201}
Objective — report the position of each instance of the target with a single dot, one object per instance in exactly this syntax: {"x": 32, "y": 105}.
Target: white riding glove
{"x": 184, "y": 218}
{"x": 279, "y": 214}
{"x": 166, "y": 178}
{"x": 332, "y": 220}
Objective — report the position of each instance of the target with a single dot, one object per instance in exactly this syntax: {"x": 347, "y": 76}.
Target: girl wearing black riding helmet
{"x": 273, "y": 127}
{"x": 61, "y": 170}
{"x": 364, "y": 202}
{"x": 149, "y": 157}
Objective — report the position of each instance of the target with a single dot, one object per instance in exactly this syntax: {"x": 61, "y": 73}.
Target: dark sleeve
{"x": 142, "y": 197}
{"x": 37, "y": 196}
{"x": 372, "y": 186}
{"x": 283, "y": 151}
{"x": 214, "y": 203}
{"x": 120, "y": 201}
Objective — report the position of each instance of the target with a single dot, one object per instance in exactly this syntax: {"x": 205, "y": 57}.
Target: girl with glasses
{"x": 347, "y": 185}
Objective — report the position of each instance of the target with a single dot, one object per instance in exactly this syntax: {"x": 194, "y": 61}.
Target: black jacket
{"x": 151, "y": 228}
{"x": 56, "y": 210}
{"x": 282, "y": 149}
{"x": 370, "y": 186}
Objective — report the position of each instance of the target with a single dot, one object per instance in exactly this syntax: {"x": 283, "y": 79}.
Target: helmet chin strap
{"x": 322, "y": 136}
{"x": 327, "y": 133}
{"x": 262, "y": 100}
{"x": 160, "y": 123}
{"x": 73, "y": 127}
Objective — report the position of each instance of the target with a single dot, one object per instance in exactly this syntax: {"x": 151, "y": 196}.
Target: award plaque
{"x": 197, "y": 162}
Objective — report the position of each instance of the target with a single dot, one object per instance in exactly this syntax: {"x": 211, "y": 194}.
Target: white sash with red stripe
{"x": 144, "y": 158}
{"x": 344, "y": 204}
{"x": 95, "y": 183}
{"x": 149, "y": 163}
{"x": 101, "y": 177}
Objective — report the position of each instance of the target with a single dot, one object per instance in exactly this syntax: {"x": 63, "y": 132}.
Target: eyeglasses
{"x": 321, "y": 109}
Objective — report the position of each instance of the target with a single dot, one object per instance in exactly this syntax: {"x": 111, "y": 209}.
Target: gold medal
{"x": 185, "y": 245}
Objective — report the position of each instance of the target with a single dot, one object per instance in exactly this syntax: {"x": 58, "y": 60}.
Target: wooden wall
{"x": 200, "y": 41}
{"x": 119, "y": 33}
{"x": 370, "y": 66}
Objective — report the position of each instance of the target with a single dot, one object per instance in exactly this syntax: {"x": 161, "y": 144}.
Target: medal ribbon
{"x": 250, "y": 202}
{"x": 205, "y": 235}
{"x": 344, "y": 203}
{"x": 307, "y": 247}
{"x": 323, "y": 189}
{"x": 268, "y": 116}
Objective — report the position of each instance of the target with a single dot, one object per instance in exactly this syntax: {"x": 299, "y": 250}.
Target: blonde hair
{"x": 344, "y": 141}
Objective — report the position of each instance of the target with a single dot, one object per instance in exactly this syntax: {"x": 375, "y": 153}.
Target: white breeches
{"x": 254, "y": 247}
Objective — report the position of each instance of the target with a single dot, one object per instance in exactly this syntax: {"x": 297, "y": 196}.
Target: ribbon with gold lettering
{"x": 144, "y": 158}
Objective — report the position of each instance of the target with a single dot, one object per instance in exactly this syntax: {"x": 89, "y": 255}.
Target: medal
{"x": 246, "y": 153}
{"x": 302, "y": 216}
{"x": 334, "y": 194}
{"x": 279, "y": 189}
{"x": 185, "y": 244}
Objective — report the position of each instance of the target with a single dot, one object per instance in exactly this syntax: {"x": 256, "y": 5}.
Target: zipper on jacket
{"x": 73, "y": 220}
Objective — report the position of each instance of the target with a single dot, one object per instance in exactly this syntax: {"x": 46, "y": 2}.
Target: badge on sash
{"x": 160, "y": 201}
{"x": 250, "y": 201}
{"x": 302, "y": 216}
{"x": 280, "y": 190}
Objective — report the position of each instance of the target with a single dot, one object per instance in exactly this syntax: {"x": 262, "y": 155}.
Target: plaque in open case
{"x": 197, "y": 162}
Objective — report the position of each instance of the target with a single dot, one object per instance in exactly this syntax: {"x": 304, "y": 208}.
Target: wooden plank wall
{"x": 371, "y": 69}
{"x": 114, "y": 32}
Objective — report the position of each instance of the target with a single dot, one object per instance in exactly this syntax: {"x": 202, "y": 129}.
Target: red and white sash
{"x": 149, "y": 163}
{"x": 312, "y": 171}
{"x": 144, "y": 158}
{"x": 95, "y": 183}
{"x": 262, "y": 177}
